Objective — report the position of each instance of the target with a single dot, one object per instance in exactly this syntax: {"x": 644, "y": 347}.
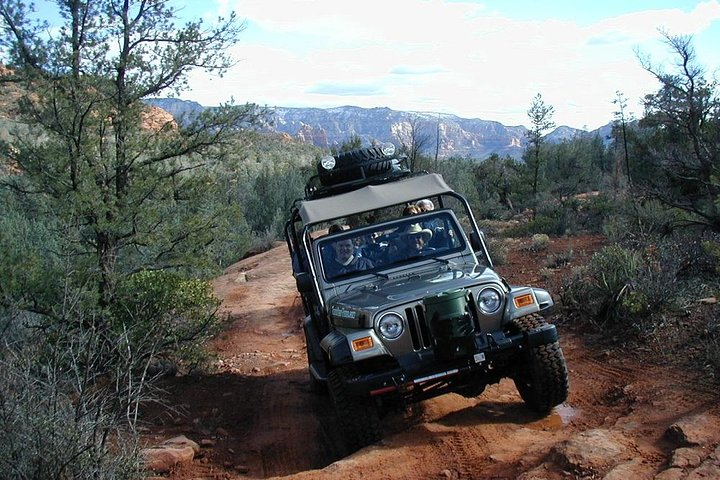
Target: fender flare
{"x": 523, "y": 301}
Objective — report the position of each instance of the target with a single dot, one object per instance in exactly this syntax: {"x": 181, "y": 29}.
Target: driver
{"x": 345, "y": 260}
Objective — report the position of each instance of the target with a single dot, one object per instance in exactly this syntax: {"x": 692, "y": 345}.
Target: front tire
{"x": 357, "y": 417}
{"x": 542, "y": 376}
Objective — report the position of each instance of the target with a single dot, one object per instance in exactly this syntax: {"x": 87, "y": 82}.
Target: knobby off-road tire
{"x": 356, "y": 416}
{"x": 542, "y": 376}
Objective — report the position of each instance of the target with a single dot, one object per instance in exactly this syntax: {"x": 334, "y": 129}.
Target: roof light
{"x": 328, "y": 162}
{"x": 388, "y": 149}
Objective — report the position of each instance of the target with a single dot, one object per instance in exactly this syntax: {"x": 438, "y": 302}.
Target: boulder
{"x": 592, "y": 453}
{"x": 709, "y": 468}
{"x": 162, "y": 458}
{"x": 701, "y": 429}
{"x": 686, "y": 457}
{"x": 670, "y": 474}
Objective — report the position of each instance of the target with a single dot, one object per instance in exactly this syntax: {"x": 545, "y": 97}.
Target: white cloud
{"x": 452, "y": 57}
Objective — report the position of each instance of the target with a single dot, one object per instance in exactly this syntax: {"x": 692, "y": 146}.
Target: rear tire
{"x": 542, "y": 377}
{"x": 357, "y": 416}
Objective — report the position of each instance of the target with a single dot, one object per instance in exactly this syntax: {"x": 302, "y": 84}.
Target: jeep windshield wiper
{"x": 381, "y": 275}
{"x": 426, "y": 257}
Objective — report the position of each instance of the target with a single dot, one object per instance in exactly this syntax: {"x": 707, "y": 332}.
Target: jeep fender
{"x": 526, "y": 300}
{"x": 338, "y": 346}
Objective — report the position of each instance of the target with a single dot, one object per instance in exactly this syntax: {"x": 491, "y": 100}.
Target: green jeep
{"x": 400, "y": 308}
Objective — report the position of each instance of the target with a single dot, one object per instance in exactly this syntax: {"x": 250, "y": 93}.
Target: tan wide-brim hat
{"x": 416, "y": 229}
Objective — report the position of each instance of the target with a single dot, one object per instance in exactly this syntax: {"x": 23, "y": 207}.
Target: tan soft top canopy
{"x": 372, "y": 197}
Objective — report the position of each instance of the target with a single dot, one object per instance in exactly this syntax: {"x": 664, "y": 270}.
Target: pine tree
{"x": 129, "y": 196}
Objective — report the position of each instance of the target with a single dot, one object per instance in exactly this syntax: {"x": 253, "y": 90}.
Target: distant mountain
{"x": 176, "y": 107}
{"x": 471, "y": 138}
{"x": 458, "y": 136}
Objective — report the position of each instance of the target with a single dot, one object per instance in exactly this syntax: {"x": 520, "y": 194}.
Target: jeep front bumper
{"x": 420, "y": 369}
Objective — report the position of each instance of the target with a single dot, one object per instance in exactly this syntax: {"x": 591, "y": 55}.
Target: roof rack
{"x": 355, "y": 169}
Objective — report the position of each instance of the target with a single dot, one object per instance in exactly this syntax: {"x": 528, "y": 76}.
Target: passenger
{"x": 328, "y": 253}
{"x": 360, "y": 246}
{"x": 411, "y": 210}
{"x": 345, "y": 260}
{"x": 425, "y": 205}
{"x": 442, "y": 238}
{"x": 414, "y": 242}
{"x": 334, "y": 228}
{"x": 373, "y": 250}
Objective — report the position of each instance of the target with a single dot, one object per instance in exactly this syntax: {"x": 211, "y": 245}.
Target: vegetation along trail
{"x": 627, "y": 416}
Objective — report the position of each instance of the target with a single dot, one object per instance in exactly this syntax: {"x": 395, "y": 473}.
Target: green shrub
{"x": 166, "y": 314}
{"x": 635, "y": 222}
{"x": 711, "y": 249}
{"x": 710, "y": 344}
{"x": 498, "y": 250}
{"x": 595, "y": 211}
{"x": 561, "y": 259}
{"x": 628, "y": 285}
{"x": 549, "y": 225}
{"x": 601, "y": 289}
{"x": 538, "y": 242}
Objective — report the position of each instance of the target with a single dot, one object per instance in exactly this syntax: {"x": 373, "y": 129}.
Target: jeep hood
{"x": 414, "y": 286}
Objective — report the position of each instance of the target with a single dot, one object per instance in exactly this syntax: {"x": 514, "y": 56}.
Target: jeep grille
{"x": 418, "y": 327}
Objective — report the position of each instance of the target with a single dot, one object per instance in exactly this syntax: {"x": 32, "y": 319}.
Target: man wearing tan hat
{"x": 415, "y": 241}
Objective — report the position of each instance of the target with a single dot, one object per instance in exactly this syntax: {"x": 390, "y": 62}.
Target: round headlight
{"x": 391, "y": 325}
{"x": 489, "y": 300}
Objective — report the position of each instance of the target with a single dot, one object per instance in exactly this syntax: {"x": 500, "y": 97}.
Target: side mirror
{"x": 304, "y": 282}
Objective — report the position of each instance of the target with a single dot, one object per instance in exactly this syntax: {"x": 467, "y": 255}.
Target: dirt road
{"x": 257, "y": 418}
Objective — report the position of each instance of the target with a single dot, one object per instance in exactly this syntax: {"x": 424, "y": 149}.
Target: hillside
{"x": 326, "y": 128}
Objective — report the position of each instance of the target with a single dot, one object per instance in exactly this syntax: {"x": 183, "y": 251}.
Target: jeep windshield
{"x": 383, "y": 246}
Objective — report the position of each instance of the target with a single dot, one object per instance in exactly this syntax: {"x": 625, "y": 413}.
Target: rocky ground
{"x": 627, "y": 416}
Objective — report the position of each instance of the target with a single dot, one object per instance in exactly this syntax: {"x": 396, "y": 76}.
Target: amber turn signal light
{"x": 360, "y": 344}
{"x": 523, "y": 300}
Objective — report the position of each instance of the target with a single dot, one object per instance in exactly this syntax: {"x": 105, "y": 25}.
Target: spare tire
{"x": 355, "y": 165}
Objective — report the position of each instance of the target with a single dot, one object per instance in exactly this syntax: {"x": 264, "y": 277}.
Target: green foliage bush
{"x": 538, "y": 242}
{"x": 608, "y": 290}
{"x": 557, "y": 260}
{"x": 709, "y": 340}
{"x": 624, "y": 285}
{"x": 542, "y": 224}
{"x": 711, "y": 249}
{"x": 29, "y": 269}
{"x": 166, "y": 313}
{"x": 634, "y": 222}
{"x": 498, "y": 249}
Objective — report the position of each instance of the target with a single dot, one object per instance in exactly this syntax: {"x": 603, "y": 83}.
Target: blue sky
{"x": 474, "y": 59}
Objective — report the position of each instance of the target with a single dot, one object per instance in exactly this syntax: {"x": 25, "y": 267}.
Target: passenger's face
{"x": 343, "y": 250}
{"x": 416, "y": 242}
